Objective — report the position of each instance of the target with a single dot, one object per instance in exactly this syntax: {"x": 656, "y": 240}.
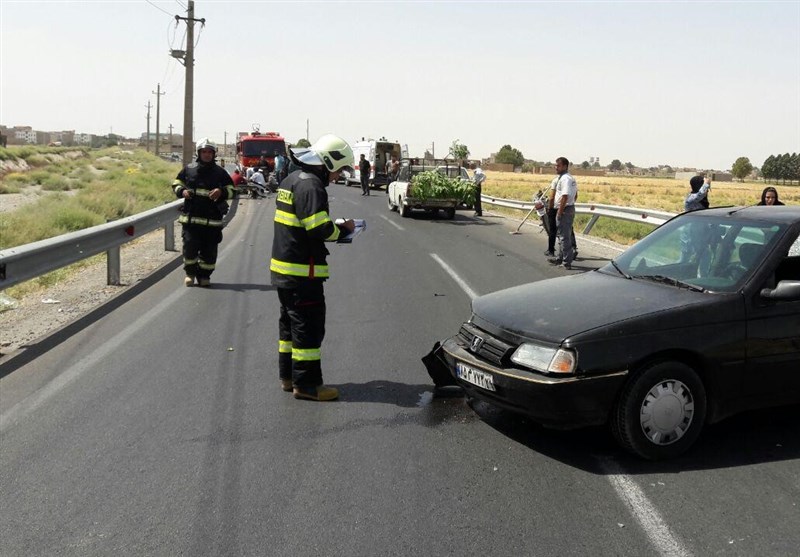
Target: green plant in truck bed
{"x": 434, "y": 185}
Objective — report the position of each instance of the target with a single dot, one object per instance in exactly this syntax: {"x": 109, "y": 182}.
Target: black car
{"x": 697, "y": 321}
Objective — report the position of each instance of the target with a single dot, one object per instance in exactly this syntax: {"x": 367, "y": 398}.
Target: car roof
{"x": 783, "y": 214}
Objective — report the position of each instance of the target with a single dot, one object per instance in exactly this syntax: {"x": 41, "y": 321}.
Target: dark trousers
{"x": 552, "y": 232}
{"x": 478, "y": 210}
{"x": 365, "y": 183}
{"x": 301, "y": 328}
{"x": 200, "y": 245}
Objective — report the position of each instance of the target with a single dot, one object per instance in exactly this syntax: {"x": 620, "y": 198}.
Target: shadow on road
{"x": 31, "y": 351}
{"x": 770, "y": 435}
{"x": 240, "y": 287}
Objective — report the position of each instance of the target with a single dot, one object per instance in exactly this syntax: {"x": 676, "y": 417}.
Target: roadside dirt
{"x": 35, "y": 315}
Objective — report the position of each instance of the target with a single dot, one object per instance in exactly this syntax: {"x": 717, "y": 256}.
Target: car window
{"x": 465, "y": 174}
{"x": 714, "y": 254}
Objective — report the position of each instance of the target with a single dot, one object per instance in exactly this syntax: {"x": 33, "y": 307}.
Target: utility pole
{"x": 170, "y": 139}
{"x": 158, "y": 94}
{"x": 147, "y": 106}
{"x": 307, "y": 130}
{"x": 187, "y": 58}
{"x": 225, "y": 142}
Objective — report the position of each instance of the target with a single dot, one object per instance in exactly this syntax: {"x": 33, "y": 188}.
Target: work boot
{"x": 204, "y": 282}
{"x": 286, "y": 385}
{"x": 320, "y": 393}
{"x": 188, "y": 281}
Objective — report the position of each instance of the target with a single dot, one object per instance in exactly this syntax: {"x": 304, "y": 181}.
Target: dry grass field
{"x": 663, "y": 194}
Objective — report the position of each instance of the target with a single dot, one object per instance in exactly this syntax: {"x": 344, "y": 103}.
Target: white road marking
{"x": 645, "y": 513}
{"x": 387, "y": 219}
{"x": 464, "y": 286}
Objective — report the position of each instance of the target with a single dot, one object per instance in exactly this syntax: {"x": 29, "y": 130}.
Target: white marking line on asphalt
{"x": 397, "y": 226}
{"x": 464, "y": 286}
{"x": 651, "y": 521}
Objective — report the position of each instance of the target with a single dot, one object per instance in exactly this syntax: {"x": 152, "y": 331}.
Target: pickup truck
{"x": 401, "y": 194}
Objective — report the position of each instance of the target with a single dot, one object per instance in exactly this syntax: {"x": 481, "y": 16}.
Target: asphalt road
{"x": 157, "y": 426}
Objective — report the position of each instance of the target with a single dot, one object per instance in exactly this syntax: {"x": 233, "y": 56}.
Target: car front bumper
{"x": 557, "y": 402}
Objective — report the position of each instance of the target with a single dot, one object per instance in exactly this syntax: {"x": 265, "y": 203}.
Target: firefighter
{"x": 205, "y": 189}
{"x": 298, "y": 266}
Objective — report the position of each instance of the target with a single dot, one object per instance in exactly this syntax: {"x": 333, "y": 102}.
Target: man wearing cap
{"x": 299, "y": 263}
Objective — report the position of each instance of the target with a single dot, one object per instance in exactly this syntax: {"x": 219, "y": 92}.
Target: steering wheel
{"x": 734, "y": 271}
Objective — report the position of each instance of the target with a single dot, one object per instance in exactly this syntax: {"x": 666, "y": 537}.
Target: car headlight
{"x": 543, "y": 358}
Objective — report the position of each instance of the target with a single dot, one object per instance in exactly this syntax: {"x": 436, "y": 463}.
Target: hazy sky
{"x": 681, "y": 83}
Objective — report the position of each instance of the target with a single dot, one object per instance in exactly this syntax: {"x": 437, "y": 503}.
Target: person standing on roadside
{"x": 299, "y": 267}
{"x": 698, "y": 198}
{"x": 205, "y": 188}
{"x": 364, "y": 169}
{"x": 480, "y": 178}
{"x": 566, "y": 191}
{"x": 770, "y": 197}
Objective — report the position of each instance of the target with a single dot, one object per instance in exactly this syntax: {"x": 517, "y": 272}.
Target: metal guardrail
{"x": 632, "y": 214}
{"x": 32, "y": 260}
{"x": 22, "y": 263}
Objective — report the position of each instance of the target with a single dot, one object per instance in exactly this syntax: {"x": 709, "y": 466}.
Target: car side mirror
{"x": 785, "y": 290}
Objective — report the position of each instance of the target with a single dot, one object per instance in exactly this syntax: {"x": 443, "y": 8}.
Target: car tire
{"x": 661, "y": 411}
{"x": 404, "y": 210}
{"x": 450, "y": 213}
{"x": 392, "y": 206}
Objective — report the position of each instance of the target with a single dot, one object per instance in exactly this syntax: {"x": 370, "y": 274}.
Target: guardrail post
{"x": 112, "y": 266}
{"x": 590, "y": 224}
{"x": 169, "y": 236}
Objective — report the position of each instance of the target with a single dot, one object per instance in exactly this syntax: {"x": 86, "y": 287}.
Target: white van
{"x": 378, "y": 153}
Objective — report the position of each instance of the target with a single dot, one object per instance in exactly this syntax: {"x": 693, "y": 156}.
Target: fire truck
{"x": 250, "y": 147}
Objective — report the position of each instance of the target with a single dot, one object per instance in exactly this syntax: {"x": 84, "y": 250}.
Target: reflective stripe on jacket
{"x": 200, "y": 179}
{"x": 302, "y": 226}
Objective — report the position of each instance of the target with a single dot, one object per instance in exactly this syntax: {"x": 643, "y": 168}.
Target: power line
{"x": 158, "y": 8}
{"x": 182, "y": 5}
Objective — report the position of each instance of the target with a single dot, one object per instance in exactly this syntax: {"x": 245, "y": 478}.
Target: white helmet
{"x": 330, "y": 151}
{"x": 206, "y": 143}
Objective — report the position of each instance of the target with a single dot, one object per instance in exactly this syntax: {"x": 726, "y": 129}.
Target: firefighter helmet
{"x": 206, "y": 143}
{"x": 329, "y": 151}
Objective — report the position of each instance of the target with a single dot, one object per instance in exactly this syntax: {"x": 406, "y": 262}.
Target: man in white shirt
{"x": 479, "y": 178}
{"x": 564, "y": 203}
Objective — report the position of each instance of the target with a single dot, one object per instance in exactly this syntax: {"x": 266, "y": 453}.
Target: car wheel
{"x": 450, "y": 213}
{"x": 404, "y": 210}
{"x": 392, "y": 206}
{"x": 661, "y": 411}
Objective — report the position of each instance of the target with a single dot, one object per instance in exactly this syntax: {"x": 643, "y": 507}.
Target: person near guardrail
{"x": 299, "y": 268}
{"x": 280, "y": 167}
{"x": 205, "y": 189}
{"x": 698, "y": 198}
{"x": 364, "y": 169}
{"x": 566, "y": 192}
{"x": 693, "y": 241}
{"x": 480, "y": 178}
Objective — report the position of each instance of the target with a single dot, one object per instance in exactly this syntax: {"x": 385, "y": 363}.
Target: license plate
{"x": 475, "y": 376}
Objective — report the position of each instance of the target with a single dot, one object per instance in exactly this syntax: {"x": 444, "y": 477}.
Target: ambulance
{"x": 378, "y": 153}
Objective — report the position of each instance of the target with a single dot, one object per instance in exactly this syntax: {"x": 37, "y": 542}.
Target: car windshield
{"x": 266, "y": 148}
{"x": 716, "y": 253}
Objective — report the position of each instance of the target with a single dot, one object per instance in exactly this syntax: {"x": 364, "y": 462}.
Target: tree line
{"x": 781, "y": 167}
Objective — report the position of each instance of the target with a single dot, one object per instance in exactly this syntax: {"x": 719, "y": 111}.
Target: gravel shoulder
{"x": 41, "y": 313}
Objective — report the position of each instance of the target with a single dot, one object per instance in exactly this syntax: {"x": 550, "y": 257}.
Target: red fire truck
{"x": 250, "y": 147}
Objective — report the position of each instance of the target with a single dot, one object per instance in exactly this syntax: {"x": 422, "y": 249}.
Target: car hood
{"x": 556, "y": 309}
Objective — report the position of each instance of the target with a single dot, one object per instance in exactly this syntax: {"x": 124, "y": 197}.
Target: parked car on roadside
{"x": 697, "y": 321}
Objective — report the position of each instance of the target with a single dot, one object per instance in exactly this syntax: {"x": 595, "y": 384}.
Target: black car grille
{"x": 489, "y": 348}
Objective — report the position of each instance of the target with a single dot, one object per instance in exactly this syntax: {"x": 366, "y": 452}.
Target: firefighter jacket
{"x": 200, "y": 179}
{"x": 302, "y": 226}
